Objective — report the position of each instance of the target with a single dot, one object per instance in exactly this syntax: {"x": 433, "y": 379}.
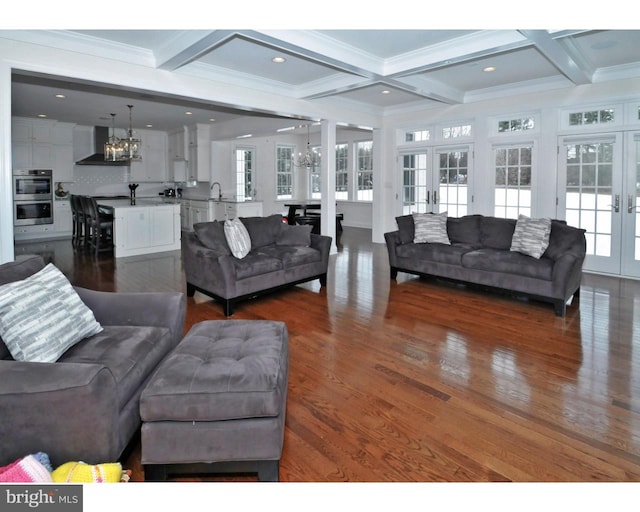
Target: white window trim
{"x": 293, "y": 174}
{"x": 439, "y": 139}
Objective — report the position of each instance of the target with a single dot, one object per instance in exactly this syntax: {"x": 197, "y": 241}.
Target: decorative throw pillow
{"x": 237, "y": 237}
{"x": 531, "y": 236}
{"x": 42, "y": 316}
{"x": 430, "y": 228}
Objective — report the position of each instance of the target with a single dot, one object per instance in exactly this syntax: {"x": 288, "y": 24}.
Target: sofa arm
{"x": 392, "y": 240}
{"x": 156, "y": 309}
{"x": 323, "y": 244}
{"x": 567, "y": 274}
{"x": 207, "y": 268}
{"x": 67, "y": 410}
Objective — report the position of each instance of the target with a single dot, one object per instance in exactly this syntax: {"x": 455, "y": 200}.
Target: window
{"x": 453, "y": 175}
{"x": 245, "y": 177}
{"x": 314, "y": 175}
{"x": 364, "y": 155}
{"x": 592, "y": 117}
{"x": 516, "y": 125}
{"x": 456, "y": 132}
{"x": 513, "y": 181}
{"x": 284, "y": 174}
{"x": 342, "y": 171}
{"x": 416, "y": 183}
{"x": 417, "y": 136}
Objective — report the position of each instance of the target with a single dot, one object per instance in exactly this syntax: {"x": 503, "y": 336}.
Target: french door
{"x": 598, "y": 182}
{"x": 436, "y": 180}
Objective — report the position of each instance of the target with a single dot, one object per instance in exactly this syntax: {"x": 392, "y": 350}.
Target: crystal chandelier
{"x": 309, "y": 159}
{"x": 118, "y": 150}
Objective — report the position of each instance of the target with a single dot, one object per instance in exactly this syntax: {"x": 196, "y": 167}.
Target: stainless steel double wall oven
{"x": 32, "y": 197}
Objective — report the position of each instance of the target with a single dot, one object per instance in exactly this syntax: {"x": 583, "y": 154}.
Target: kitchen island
{"x": 149, "y": 226}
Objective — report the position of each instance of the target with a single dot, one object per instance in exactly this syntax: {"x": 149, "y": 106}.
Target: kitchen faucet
{"x": 219, "y": 189}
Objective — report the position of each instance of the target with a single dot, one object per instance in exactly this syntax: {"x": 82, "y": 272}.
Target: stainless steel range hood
{"x": 100, "y": 137}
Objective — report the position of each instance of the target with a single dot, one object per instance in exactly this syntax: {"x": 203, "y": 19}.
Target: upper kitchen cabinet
{"x": 153, "y": 166}
{"x": 199, "y": 152}
{"x": 178, "y": 145}
{"x": 31, "y": 143}
{"x": 62, "y": 138}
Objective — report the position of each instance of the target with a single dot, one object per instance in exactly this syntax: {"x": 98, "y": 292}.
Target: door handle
{"x": 630, "y": 205}
{"x": 427, "y": 197}
{"x": 435, "y": 200}
{"x": 616, "y": 203}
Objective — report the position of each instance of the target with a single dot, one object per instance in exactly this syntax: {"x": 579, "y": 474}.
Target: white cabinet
{"x": 185, "y": 215}
{"x": 177, "y": 145}
{"x": 199, "y": 152}
{"x": 153, "y": 166}
{"x": 224, "y": 210}
{"x": 146, "y": 229}
{"x": 198, "y": 212}
{"x": 31, "y": 143}
{"x": 62, "y": 138}
{"x": 62, "y": 217}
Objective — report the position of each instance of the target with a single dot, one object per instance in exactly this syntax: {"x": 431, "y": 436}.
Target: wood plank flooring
{"x": 423, "y": 381}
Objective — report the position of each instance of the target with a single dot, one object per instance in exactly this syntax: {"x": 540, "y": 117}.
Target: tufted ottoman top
{"x": 221, "y": 370}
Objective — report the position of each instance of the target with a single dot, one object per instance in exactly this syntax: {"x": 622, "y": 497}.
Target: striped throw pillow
{"x": 42, "y": 316}
{"x": 531, "y": 236}
{"x": 430, "y": 228}
{"x": 237, "y": 237}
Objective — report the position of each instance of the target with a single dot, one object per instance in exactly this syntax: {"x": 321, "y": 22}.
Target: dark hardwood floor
{"x": 422, "y": 381}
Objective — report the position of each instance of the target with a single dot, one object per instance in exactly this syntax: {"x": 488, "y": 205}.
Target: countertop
{"x": 141, "y": 202}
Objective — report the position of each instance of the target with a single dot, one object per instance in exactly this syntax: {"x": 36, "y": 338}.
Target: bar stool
{"x": 78, "y": 221}
{"x": 99, "y": 227}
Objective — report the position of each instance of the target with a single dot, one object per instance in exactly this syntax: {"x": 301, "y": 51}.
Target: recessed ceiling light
{"x": 278, "y": 60}
{"x": 386, "y": 91}
{"x": 60, "y": 96}
{"x": 489, "y": 69}
{"x": 188, "y": 113}
{"x": 149, "y": 126}
{"x": 42, "y": 115}
{"x": 244, "y": 136}
{"x": 212, "y": 119}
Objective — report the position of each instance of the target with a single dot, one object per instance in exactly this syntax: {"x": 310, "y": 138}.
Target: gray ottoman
{"x": 217, "y": 403}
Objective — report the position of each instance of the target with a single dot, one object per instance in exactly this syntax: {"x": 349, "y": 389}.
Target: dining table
{"x": 310, "y": 215}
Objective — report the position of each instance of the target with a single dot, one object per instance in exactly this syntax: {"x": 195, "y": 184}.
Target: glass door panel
{"x": 453, "y": 168}
{"x": 592, "y": 171}
{"x": 416, "y": 183}
{"x": 630, "y": 209}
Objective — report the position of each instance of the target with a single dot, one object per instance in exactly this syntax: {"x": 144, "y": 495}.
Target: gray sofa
{"x": 85, "y": 406}
{"x": 479, "y": 254}
{"x": 280, "y": 256}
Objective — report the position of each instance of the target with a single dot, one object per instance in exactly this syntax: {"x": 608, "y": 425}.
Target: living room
{"x": 366, "y": 340}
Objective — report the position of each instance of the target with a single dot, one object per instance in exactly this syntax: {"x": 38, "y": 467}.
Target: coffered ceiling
{"x": 378, "y": 71}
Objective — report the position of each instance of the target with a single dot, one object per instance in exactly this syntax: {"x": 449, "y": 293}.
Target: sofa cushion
{"x": 499, "y": 260}
{"x": 130, "y": 353}
{"x": 237, "y": 237}
{"x": 430, "y": 228}
{"x": 42, "y": 316}
{"x": 292, "y": 255}
{"x": 263, "y": 230}
{"x": 256, "y": 263}
{"x": 440, "y": 253}
{"x": 405, "y": 228}
{"x": 211, "y": 235}
{"x": 531, "y": 236}
{"x": 496, "y": 233}
{"x": 294, "y": 235}
{"x": 464, "y": 230}
{"x": 564, "y": 238}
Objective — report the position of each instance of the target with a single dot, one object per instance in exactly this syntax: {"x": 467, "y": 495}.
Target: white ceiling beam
{"x": 188, "y": 46}
{"x": 553, "y": 51}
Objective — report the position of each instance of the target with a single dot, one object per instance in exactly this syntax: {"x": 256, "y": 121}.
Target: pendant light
{"x": 113, "y": 146}
{"x": 131, "y": 145}
{"x": 309, "y": 159}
